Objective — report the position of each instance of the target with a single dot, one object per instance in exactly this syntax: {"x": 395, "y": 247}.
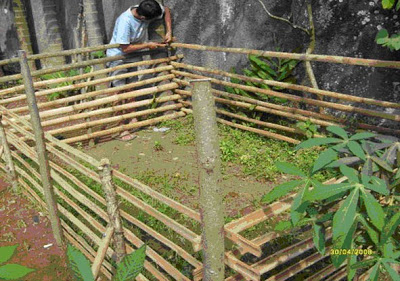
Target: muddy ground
{"x": 154, "y": 156}
{"x": 25, "y": 225}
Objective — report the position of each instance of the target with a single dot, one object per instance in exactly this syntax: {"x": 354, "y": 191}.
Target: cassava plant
{"x": 11, "y": 271}
{"x": 127, "y": 270}
{"x": 276, "y": 69}
{"x": 360, "y": 212}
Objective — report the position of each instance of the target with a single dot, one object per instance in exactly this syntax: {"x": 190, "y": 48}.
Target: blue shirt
{"x": 128, "y": 30}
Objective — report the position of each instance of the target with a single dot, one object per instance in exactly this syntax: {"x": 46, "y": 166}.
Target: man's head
{"x": 149, "y": 9}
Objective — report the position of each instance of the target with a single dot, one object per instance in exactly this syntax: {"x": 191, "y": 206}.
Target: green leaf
{"x": 289, "y": 169}
{"x": 283, "y": 225}
{"x": 321, "y": 192}
{"x": 338, "y": 131}
{"x": 367, "y": 169}
{"x": 317, "y": 142}
{"x": 262, "y": 65}
{"x": 6, "y": 253}
{"x": 14, "y": 271}
{"x": 356, "y": 149}
{"x": 364, "y": 263}
{"x": 343, "y": 242}
{"x": 362, "y": 136}
{"x": 390, "y": 227}
{"x": 80, "y": 265}
{"x": 371, "y": 232}
{"x": 378, "y": 185}
{"x": 345, "y": 216}
{"x": 388, "y": 4}
{"x": 324, "y": 159}
{"x": 131, "y": 265}
{"x": 280, "y": 190}
{"x": 319, "y": 237}
{"x": 382, "y": 163}
{"x": 398, "y": 6}
{"x": 352, "y": 259}
{"x": 393, "y": 274}
{"x": 382, "y": 36}
{"x": 351, "y": 174}
{"x": 298, "y": 206}
{"x": 374, "y": 274}
{"x": 374, "y": 210}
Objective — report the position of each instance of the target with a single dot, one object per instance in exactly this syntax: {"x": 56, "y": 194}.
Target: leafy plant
{"x": 57, "y": 75}
{"x": 11, "y": 271}
{"x": 130, "y": 266}
{"x": 266, "y": 68}
{"x": 309, "y": 128}
{"x": 362, "y": 211}
{"x": 158, "y": 146}
{"x": 383, "y": 38}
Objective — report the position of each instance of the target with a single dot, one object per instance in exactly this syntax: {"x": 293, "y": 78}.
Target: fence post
{"x": 211, "y": 194}
{"x": 112, "y": 208}
{"x": 8, "y": 158}
{"x": 41, "y": 149}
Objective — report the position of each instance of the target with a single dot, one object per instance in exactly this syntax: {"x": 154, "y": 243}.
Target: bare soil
{"x": 176, "y": 163}
{"x": 26, "y": 226}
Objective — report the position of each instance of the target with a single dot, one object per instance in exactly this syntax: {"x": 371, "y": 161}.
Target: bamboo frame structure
{"x": 83, "y": 207}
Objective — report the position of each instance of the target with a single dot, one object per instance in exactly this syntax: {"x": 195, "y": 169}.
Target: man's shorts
{"x": 121, "y": 82}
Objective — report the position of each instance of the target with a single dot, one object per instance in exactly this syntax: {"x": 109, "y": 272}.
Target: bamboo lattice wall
{"x": 90, "y": 113}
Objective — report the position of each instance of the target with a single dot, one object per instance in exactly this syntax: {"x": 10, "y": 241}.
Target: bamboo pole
{"x": 289, "y": 86}
{"x": 269, "y": 110}
{"x": 363, "y": 126}
{"x": 117, "y": 118}
{"x": 62, "y": 53}
{"x": 342, "y": 107}
{"x": 211, "y": 204}
{"x": 45, "y": 83}
{"x": 106, "y": 100}
{"x": 108, "y": 110}
{"x": 124, "y": 127}
{"x": 101, "y": 252}
{"x": 89, "y": 95}
{"x": 304, "y": 57}
{"x": 74, "y": 65}
{"x": 105, "y": 174}
{"x": 10, "y": 169}
{"x": 267, "y": 104}
{"x": 41, "y": 151}
{"x": 253, "y": 130}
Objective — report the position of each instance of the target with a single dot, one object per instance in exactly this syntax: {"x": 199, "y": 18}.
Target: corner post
{"x": 41, "y": 150}
{"x": 112, "y": 208}
{"x": 211, "y": 194}
{"x": 12, "y": 175}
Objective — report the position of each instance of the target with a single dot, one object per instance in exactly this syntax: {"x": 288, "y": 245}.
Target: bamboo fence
{"x": 93, "y": 114}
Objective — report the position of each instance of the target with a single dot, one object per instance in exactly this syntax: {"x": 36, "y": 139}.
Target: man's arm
{"x": 129, "y": 48}
{"x": 168, "y": 25}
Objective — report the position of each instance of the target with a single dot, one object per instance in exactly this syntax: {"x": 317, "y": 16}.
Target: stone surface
{"x": 9, "y": 44}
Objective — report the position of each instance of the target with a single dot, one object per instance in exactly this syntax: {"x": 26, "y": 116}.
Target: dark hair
{"x": 150, "y": 9}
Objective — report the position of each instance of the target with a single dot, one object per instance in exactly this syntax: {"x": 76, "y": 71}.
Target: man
{"x": 130, "y": 32}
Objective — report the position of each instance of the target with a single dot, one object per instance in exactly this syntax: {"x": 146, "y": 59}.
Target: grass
{"x": 254, "y": 153}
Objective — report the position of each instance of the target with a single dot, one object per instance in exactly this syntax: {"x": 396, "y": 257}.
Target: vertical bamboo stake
{"x": 41, "y": 150}
{"x": 112, "y": 208}
{"x": 211, "y": 195}
{"x": 8, "y": 158}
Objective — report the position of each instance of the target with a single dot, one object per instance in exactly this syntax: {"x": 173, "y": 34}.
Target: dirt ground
{"x": 24, "y": 225}
{"x": 177, "y": 164}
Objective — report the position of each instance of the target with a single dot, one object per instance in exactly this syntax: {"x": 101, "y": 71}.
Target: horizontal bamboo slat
{"x": 295, "y": 87}
{"x": 39, "y": 84}
{"x": 303, "y": 57}
{"x": 178, "y": 228}
{"x": 80, "y": 97}
{"x": 108, "y": 100}
{"x": 117, "y": 118}
{"x": 125, "y": 127}
{"x": 341, "y": 107}
{"x": 107, "y": 110}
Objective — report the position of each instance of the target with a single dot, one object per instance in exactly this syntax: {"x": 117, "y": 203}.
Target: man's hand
{"x": 168, "y": 38}
{"x": 155, "y": 45}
